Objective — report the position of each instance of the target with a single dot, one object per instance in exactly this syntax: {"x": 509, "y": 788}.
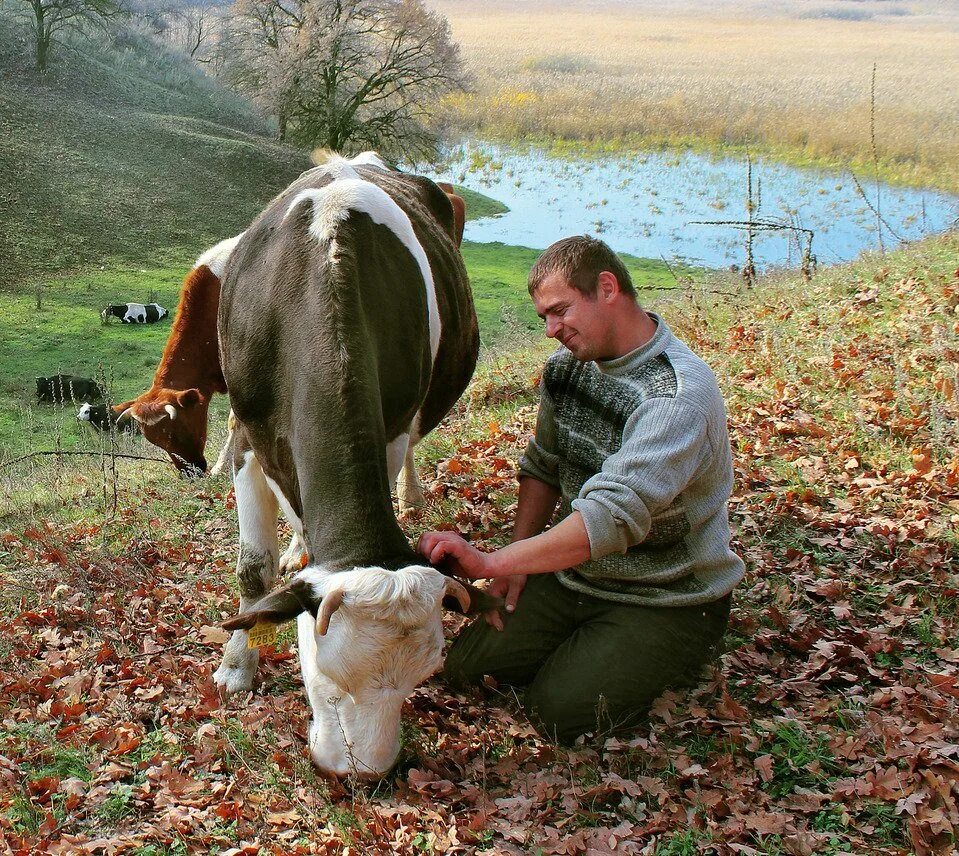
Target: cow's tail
{"x": 227, "y": 449}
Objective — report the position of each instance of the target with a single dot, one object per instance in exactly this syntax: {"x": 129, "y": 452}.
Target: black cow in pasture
{"x": 103, "y": 418}
{"x": 62, "y": 388}
{"x": 135, "y": 313}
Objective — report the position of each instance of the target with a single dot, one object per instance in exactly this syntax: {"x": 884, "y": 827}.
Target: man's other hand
{"x": 509, "y": 588}
{"x": 451, "y": 552}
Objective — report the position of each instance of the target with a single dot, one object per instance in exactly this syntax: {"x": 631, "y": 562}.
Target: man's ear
{"x": 607, "y": 285}
{"x": 188, "y": 397}
{"x": 278, "y": 607}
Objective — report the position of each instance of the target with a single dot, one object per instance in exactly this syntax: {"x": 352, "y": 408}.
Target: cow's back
{"x": 325, "y": 340}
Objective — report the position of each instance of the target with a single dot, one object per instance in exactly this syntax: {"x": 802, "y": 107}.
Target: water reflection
{"x": 645, "y": 203}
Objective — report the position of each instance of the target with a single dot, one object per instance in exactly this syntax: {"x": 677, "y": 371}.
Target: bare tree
{"x": 345, "y": 73}
{"x": 49, "y": 17}
{"x": 193, "y": 29}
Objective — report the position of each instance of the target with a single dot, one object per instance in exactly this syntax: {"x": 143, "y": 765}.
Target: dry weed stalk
{"x": 753, "y": 225}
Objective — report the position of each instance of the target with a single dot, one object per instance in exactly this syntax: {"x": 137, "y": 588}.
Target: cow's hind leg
{"x": 409, "y": 491}
{"x": 256, "y": 508}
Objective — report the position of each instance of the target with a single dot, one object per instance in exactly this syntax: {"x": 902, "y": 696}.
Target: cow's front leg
{"x": 256, "y": 508}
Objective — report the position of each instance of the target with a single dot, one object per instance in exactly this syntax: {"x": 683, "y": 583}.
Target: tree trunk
{"x": 43, "y": 41}
{"x": 43, "y": 51}
{"x": 281, "y": 122}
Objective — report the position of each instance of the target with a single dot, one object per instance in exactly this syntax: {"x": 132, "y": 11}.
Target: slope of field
{"x": 124, "y": 151}
{"x": 829, "y": 727}
{"x": 790, "y": 79}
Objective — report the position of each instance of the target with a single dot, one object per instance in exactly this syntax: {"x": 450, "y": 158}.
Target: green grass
{"x": 478, "y": 205}
{"x": 126, "y": 153}
{"x": 67, "y": 336}
{"x": 800, "y": 760}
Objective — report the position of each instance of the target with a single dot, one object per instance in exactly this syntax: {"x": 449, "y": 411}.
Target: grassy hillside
{"x": 124, "y": 151}
{"x": 833, "y": 708}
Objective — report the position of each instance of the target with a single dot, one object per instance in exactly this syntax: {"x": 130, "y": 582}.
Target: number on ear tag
{"x": 260, "y": 634}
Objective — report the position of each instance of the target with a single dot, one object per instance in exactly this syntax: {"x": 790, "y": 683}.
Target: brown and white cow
{"x": 173, "y": 411}
{"x": 347, "y": 331}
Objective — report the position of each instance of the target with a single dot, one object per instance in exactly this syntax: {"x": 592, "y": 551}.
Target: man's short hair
{"x": 580, "y": 259}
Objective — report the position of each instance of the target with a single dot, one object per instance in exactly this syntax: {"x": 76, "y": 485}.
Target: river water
{"x": 647, "y": 204}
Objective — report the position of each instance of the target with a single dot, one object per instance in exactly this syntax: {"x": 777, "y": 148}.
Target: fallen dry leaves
{"x": 832, "y": 725}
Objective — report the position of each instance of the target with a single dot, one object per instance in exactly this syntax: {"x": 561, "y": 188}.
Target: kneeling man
{"x": 628, "y": 592}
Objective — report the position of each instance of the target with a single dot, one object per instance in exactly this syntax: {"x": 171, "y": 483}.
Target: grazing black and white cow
{"x": 135, "y": 313}
{"x": 103, "y": 418}
{"x": 62, "y": 388}
{"x": 347, "y": 331}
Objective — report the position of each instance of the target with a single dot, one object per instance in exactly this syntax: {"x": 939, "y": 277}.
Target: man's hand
{"x": 509, "y": 588}
{"x": 454, "y": 554}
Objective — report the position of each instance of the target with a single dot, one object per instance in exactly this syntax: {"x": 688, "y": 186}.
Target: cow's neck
{"x": 355, "y": 526}
{"x": 344, "y": 486}
{"x": 191, "y": 357}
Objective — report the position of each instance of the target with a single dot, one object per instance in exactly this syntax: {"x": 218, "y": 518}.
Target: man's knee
{"x": 563, "y": 712}
{"x": 559, "y": 713}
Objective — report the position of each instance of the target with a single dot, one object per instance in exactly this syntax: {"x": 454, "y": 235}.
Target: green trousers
{"x": 589, "y": 665}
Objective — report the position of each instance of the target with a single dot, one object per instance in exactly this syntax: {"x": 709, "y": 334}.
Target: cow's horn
{"x": 454, "y": 588}
{"x": 328, "y": 606}
{"x": 170, "y": 410}
{"x": 127, "y": 414}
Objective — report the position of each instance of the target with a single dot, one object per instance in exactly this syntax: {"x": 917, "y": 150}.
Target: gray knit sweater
{"x": 639, "y": 447}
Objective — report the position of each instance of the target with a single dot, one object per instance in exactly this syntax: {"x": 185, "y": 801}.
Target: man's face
{"x": 581, "y": 323}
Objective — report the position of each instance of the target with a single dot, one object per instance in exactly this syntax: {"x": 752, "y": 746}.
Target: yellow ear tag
{"x": 260, "y": 634}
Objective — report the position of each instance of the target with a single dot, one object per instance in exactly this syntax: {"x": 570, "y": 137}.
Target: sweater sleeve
{"x": 665, "y": 443}
{"x": 540, "y": 460}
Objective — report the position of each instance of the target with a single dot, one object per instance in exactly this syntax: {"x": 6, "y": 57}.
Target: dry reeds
{"x": 796, "y": 83}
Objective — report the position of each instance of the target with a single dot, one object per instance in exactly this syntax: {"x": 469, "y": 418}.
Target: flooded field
{"x": 648, "y": 204}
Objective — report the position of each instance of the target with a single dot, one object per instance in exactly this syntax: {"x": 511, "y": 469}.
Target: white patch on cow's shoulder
{"x": 339, "y": 167}
{"x": 332, "y": 205}
{"x": 217, "y": 256}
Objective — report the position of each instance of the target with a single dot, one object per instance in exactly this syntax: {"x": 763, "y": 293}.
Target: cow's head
{"x": 175, "y": 420}
{"x": 367, "y": 638}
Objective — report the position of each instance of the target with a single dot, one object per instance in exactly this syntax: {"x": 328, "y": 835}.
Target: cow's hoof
{"x": 410, "y": 500}
{"x": 231, "y": 680}
{"x": 294, "y": 558}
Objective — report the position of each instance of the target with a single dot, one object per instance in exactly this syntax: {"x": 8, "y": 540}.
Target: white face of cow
{"x": 384, "y": 639}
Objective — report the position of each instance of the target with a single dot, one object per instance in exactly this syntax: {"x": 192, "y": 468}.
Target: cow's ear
{"x": 124, "y": 412}
{"x": 278, "y": 606}
{"x": 188, "y": 397}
